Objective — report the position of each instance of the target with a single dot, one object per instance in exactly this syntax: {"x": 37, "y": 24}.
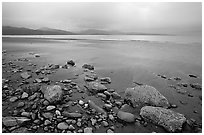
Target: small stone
{"x": 73, "y": 121}
{"x": 45, "y": 103}
{"x": 37, "y": 55}
{"x": 71, "y": 127}
{"x": 193, "y": 76}
{"x": 32, "y": 97}
{"x": 110, "y": 131}
{"x": 69, "y": 121}
{"x": 107, "y": 106}
{"x": 47, "y": 122}
{"x": 62, "y": 126}
{"x": 106, "y": 79}
{"x": 87, "y": 66}
{"x": 57, "y": 112}
{"x": 25, "y": 75}
{"x": 47, "y": 115}
{"x": 86, "y": 106}
{"x": 88, "y": 130}
{"x": 93, "y": 121}
{"x": 20, "y": 104}
{"x": 115, "y": 95}
{"x": 50, "y": 107}
{"x": 45, "y": 80}
{"x": 24, "y": 95}
{"x": 79, "y": 124}
{"x": 111, "y": 117}
{"x": 81, "y": 102}
{"x": 174, "y": 106}
{"x": 13, "y": 99}
{"x": 26, "y": 114}
{"x": 80, "y": 131}
{"x": 71, "y": 62}
{"x": 196, "y": 86}
{"x": 105, "y": 123}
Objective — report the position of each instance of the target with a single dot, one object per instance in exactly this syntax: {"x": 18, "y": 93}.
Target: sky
{"x": 128, "y": 17}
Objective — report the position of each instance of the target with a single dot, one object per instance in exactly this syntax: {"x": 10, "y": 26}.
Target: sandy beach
{"x": 170, "y": 68}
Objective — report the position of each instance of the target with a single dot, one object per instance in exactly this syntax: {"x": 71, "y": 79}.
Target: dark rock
{"x": 71, "y": 62}
{"x": 52, "y": 93}
{"x": 193, "y": 76}
{"x": 141, "y": 95}
{"x": 106, "y": 79}
{"x": 37, "y": 55}
{"x": 196, "y": 86}
{"x": 125, "y": 116}
{"x": 105, "y": 123}
{"x": 181, "y": 91}
{"x": 87, "y": 66}
{"x": 170, "y": 120}
{"x": 177, "y": 78}
{"x": 25, "y": 75}
{"x": 25, "y": 114}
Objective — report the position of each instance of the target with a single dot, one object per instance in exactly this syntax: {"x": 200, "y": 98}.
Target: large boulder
{"x": 96, "y": 87}
{"x": 170, "y": 120}
{"x": 145, "y": 95}
{"x": 52, "y": 93}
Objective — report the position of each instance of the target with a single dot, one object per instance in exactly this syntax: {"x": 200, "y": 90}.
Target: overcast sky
{"x": 137, "y": 17}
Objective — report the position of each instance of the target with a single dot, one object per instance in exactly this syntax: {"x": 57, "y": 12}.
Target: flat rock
{"x": 125, "y": 116}
{"x": 62, "y": 126}
{"x": 52, "y": 93}
{"x": 71, "y": 114}
{"x": 144, "y": 94}
{"x": 25, "y": 75}
{"x": 170, "y": 120}
{"x": 96, "y": 87}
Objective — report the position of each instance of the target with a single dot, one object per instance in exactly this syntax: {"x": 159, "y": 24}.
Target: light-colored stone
{"x": 125, "y": 116}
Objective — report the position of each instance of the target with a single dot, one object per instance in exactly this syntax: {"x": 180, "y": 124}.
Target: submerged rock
{"x": 25, "y": 75}
{"x": 141, "y": 95}
{"x": 170, "y": 120}
{"x": 52, "y": 93}
{"x": 125, "y": 116}
{"x": 96, "y": 87}
{"x": 87, "y": 66}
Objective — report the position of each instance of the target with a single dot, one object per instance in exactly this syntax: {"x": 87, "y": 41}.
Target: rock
{"x": 50, "y": 107}
{"x": 196, "y": 86}
{"x": 20, "y": 130}
{"x": 47, "y": 122}
{"x": 47, "y": 115}
{"x": 45, "y": 80}
{"x": 193, "y": 76}
{"x": 13, "y": 121}
{"x": 79, "y": 124}
{"x": 107, "y": 94}
{"x": 103, "y": 96}
{"x": 87, "y": 66}
{"x": 93, "y": 121}
{"x": 177, "y": 78}
{"x": 97, "y": 108}
{"x": 109, "y": 131}
{"x": 37, "y": 55}
{"x": 71, "y": 62}
{"x": 37, "y": 80}
{"x": 71, "y": 127}
{"x": 53, "y": 93}
{"x": 166, "y": 118}
{"x": 144, "y": 94}
{"x": 105, "y": 123}
{"x": 58, "y": 113}
{"x": 107, "y": 106}
{"x": 20, "y": 104}
{"x": 56, "y": 66}
{"x": 115, "y": 95}
{"x": 25, "y": 114}
{"x": 24, "y": 95}
{"x": 71, "y": 115}
{"x": 106, "y": 79}
{"x": 62, "y": 126}
{"x": 81, "y": 102}
{"x": 125, "y": 116}
{"x": 96, "y": 87}
{"x": 182, "y": 84}
{"x": 25, "y": 75}
{"x": 88, "y": 79}
{"x": 181, "y": 91}
{"x": 66, "y": 81}
{"x": 32, "y": 97}
{"x": 88, "y": 130}
{"x": 13, "y": 99}
{"x": 111, "y": 117}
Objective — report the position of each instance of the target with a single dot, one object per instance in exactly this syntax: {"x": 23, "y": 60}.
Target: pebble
{"x": 81, "y": 102}
{"x": 93, "y": 121}
{"x": 71, "y": 127}
{"x": 13, "y": 99}
{"x": 174, "y": 106}
{"x": 57, "y": 112}
{"x": 45, "y": 103}
{"x": 26, "y": 114}
{"x": 110, "y": 131}
{"x": 111, "y": 117}
{"x": 79, "y": 124}
{"x": 80, "y": 131}
{"x": 47, "y": 122}
{"x": 107, "y": 106}
{"x": 20, "y": 104}
{"x": 88, "y": 130}
{"x": 50, "y": 107}
{"x": 62, "y": 126}
{"x": 105, "y": 123}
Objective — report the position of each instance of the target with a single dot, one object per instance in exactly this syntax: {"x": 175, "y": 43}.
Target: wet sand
{"x": 125, "y": 62}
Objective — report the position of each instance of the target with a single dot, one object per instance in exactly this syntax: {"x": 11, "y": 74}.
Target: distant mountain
{"x": 8, "y": 30}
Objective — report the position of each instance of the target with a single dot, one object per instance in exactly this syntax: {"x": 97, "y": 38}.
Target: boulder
{"x": 170, "y": 120}
{"x": 52, "y": 93}
{"x": 144, "y": 94}
{"x": 125, "y": 116}
{"x": 96, "y": 87}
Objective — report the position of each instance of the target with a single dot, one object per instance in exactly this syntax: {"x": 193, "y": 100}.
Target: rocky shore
{"x": 32, "y": 102}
